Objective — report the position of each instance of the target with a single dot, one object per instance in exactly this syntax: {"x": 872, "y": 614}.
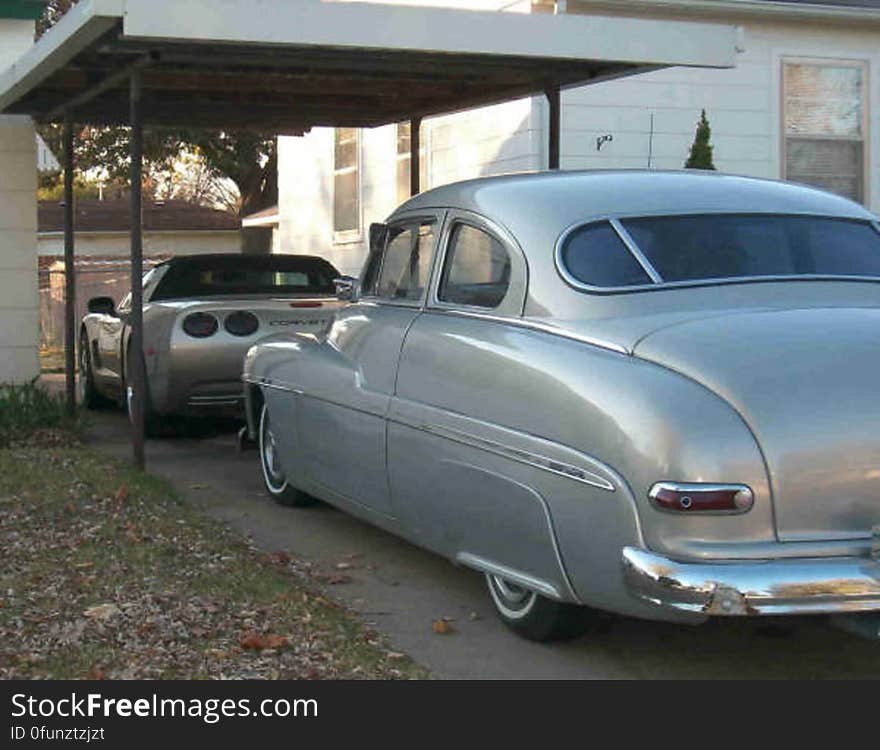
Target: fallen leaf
{"x": 442, "y": 627}
{"x": 102, "y": 612}
{"x": 254, "y": 641}
{"x": 121, "y": 494}
{"x": 343, "y": 566}
{"x": 96, "y": 673}
{"x": 396, "y": 655}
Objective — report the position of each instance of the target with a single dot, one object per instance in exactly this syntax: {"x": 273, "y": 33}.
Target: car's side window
{"x": 477, "y": 269}
{"x": 406, "y": 263}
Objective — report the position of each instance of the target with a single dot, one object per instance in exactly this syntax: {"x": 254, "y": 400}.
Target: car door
{"x": 342, "y": 420}
{"x": 462, "y": 477}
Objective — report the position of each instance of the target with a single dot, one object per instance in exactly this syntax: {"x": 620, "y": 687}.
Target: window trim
{"x": 581, "y": 286}
{"x": 348, "y": 236}
{"x": 513, "y": 304}
{"x": 864, "y": 125}
{"x": 439, "y": 221}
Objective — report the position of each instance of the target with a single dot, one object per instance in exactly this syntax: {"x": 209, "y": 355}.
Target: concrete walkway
{"x": 402, "y": 589}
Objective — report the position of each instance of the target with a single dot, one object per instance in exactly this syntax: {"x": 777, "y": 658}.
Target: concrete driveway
{"x": 402, "y": 589}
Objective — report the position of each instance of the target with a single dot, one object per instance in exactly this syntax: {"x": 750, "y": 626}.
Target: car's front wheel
{"x": 536, "y": 617}
{"x": 274, "y": 478}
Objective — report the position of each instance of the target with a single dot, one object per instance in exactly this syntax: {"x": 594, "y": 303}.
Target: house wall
{"x": 19, "y": 316}
{"x": 155, "y": 243}
{"x": 743, "y": 106}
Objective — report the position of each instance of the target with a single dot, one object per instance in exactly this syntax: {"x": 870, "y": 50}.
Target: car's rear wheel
{"x": 88, "y": 393}
{"x": 274, "y": 477}
{"x": 536, "y": 617}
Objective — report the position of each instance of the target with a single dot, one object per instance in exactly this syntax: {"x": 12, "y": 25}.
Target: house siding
{"x": 19, "y": 312}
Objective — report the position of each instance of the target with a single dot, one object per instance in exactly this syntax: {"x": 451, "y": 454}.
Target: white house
{"x": 803, "y": 103}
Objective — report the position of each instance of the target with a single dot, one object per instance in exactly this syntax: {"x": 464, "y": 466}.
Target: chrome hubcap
{"x": 270, "y": 454}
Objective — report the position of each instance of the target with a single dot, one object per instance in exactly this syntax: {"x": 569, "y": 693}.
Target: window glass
{"x": 685, "y": 248}
{"x": 823, "y": 111}
{"x": 595, "y": 255}
{"x": 213, "y": 276}
{"x": 407, "y": 261}
{"x": 346, "y": 197}
{"x": 477, "y": 269}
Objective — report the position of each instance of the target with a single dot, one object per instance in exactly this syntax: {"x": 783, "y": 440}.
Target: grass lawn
{"x": 107, "y": 574}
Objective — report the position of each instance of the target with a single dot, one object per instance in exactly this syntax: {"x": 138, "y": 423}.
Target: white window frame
{"x": 864, "y": 126}
{"x": 347, "y": 236}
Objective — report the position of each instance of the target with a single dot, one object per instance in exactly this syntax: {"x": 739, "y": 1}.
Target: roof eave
{"x": 758, "y": 9}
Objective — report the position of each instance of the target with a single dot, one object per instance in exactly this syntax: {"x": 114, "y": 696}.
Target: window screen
{"x": 346, "y": 195}
{"x": 477, "y": 269}
{"x": 824, "y": 113}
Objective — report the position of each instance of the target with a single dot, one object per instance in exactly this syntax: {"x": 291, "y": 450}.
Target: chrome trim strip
{"x": 759, "y": 587}
{"x": 514, "y": 576}
{"x": 635, "y": 250}
{"x": 534, "y": 326}
{"x": 545, "y": 463}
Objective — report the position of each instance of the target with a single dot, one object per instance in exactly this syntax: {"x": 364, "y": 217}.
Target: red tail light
{"x": 307, "y": 304}
{"x": 702, "y": 498}
{"x": 200, "y": 325}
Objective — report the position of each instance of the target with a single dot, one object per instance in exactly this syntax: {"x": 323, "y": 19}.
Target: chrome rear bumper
{"x": 765, "y": 587}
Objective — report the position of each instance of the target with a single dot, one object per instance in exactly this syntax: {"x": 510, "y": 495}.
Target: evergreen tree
{"x": 701, "y": 149}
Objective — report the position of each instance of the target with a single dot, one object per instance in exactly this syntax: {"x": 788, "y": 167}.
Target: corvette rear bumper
{"x": 761, "y": 587}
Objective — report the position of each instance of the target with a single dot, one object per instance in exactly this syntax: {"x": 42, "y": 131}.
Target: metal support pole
{"x": 135, "y": 376}
{"x": 553, "y": 100}
{"x": 69, "y": 274}
{"x": 415, "y": 163}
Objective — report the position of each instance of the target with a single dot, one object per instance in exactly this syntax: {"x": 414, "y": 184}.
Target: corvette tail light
{"x": 241, "y": 323}
{"x": 702, "y": 498}
{"x": 200, "y": 325}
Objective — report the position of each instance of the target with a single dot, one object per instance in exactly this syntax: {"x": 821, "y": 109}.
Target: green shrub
{"x": 700, "y": 156}
{"x": 30, "y": 408}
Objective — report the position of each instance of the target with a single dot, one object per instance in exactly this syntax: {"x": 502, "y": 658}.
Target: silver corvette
{"x": 201, "y": 315}
{"x": 648, "y": 393}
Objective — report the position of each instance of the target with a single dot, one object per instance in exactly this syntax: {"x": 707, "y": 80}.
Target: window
{"x": 689, "y": 248}
{"x": 824, "y": 118}
{"x": 404, "y": 154}
{"x": 406, "y": 262}
{"x": 477, "y": 270}
{"x": 595, "y": 255}
{"x": 215, "y": 276}
{"x": 346, "y": 184}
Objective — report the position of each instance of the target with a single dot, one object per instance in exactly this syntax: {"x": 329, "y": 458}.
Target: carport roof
{"x": 286, "y": 66}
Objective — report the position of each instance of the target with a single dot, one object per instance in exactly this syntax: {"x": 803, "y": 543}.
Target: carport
{"x": 289, "y": 66}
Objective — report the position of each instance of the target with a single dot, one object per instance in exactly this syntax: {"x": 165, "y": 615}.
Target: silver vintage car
{"x": 201, "y": 315}
{"x": 649, "y": 393}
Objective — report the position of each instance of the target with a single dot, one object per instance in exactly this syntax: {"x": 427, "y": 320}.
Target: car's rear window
{"x": 246, "y": 275}
{"x": 729, "y": 246}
